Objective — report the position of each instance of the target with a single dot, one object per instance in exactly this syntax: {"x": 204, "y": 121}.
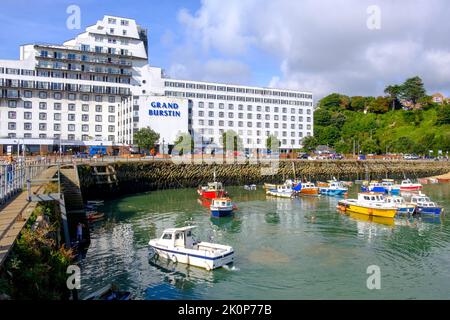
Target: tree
{"x": 394, "y": 92}
{"x": 231, "y": 142}
{"x": 413, "y": 89}
{"x": 309, "y": 143}
{"x": 357, "y": 103}
{"x": 443, "y": 115}
{"x": 378, "y": 105}
{"x": 404, "y": 145}
{"x": 183, "y": 143}
{"x": 322, "y": 117}
{"x": 272, "y": 142}
{"x": 370, "y": 146}
{"x": 145, "y": 138}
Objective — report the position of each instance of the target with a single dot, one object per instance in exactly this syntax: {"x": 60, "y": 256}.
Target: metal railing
{"x": 14, "y": 177}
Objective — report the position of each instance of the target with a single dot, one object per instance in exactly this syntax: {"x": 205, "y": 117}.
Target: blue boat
{"x": 401, "y": 205}
{"x": 221, "y": 207}
{"x": 424, "y": 205}
{"x": 374, "y": 186}
{"x": 335, "y": 188}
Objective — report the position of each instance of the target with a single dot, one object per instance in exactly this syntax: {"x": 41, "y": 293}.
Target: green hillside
{"x": 381, "y": 124}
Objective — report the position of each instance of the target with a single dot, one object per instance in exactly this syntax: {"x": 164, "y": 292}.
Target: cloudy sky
{"x": 322, "y": 46}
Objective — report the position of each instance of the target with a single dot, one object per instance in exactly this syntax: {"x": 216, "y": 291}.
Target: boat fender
{"x": 174, "y": 259}
{"x": 207, "y": 267}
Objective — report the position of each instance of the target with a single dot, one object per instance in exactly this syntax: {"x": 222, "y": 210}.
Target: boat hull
{"x": 309, "y": 191}
{"x": 332, "y": 192}
{"x": 410, "y": 188}
{"x": 428, "y": 210}
{"x": 219, "y": 213}
{"x": 211, "y": 194}
{"x": 197, "y": 260}
{"x": 378, "y": 212}
{"x": 274, "y": 193}
{"x": 406, "y": 210}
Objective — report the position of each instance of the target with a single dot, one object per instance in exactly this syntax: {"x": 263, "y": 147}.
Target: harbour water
{"x": 284, "y": 249}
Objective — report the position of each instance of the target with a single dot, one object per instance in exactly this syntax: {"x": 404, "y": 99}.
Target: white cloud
{"x": 321, "y": 46}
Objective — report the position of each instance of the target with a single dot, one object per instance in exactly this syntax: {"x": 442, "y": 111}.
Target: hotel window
{"x": 221, "y": 114}
{"x": 111, "y": 99}
{"x": 300, "y": 111}
{"x": 258, "y": 108}
{"x": 98, "y": 128}
{"x": 292, "y": 134}
{"x": 11, "y": 126}
{"x": 240, "y": 124}
{"x": 308, "y": 119}
{"x": 308, "y": 111}
{"x": 300, "y": 118}
{"x": 57, "y": 95}
{"x": 27, "y": 115}
{"x": 284, "y": 118}
{"x": 221, "y": 123}
{"x": 249, "y": 116}
{"x": 249, "y": 108}
{"x": 111, "y": 128}
{"x": 201, "y": 104}
{"x": 98, "y": 118}
{"x": 71, "y": 127}
{"x": 42, "y": 95}
{"x": 85, "y": 117}
{"x": 27, "y": 135}
{"x": 267, "y": 125}
{"x": 111, "y": 118}
{"x": 27, "y": 94}
{"x": 98, "y": 98}
{"x": 57, "y": 116}
{"x": 111, "y": 138}
{"x": 267, "y": 116}
{"x": 42, "y": 126}
{"x": 211, "y": 114}
{"x": 42, "y": 136}
{"x": 308, "y": 127}
{"x": 211, "y": 105}
{"x": 42, "y": 105}
{"x": 258, "y": 124}
{"x": 85, "y": 128}
{"x": 85, "y": 97}
{"x": 276, "y": 109}
{"x": 259, "y": 116}
{"x": 98, "y": 108}
{"x": 210, "y": 122}
{"x": 221, "y": 106}
{"x": 85, "y": 108}
{"x": 71, "y": 107}
{"x": 308, "y": 134}
{"x": 71, "y": 96}
{"x": 201, "y": 113}
{"x": 240, "y": 107}
{"x": 275, "y": 125}
{"x": 12, "y": 115}
{"x": 300, "y": 134}
{"x": 99, "y": 137}
{"x": 276, "y": 117}
{"x": 70, "y": 137}
{"x": 71, "y": 117}
{"x": 111, "y": 109}
{"x": 249, "y": 124}
{"x": 230, "y": 107}
{"x": 111, "y": 21}
{"x": 201, "y": 122}
{"x": 284, "y": 141}
{"x": 230, "y": 123}
{"x": 57, "y": 106}
{"x": 240, "y": 115}
{"x": 12, "y": 103}
{"x": 230, "y": 115}
{"x": 300, "y": 126}
{"x": 284, "y": 126}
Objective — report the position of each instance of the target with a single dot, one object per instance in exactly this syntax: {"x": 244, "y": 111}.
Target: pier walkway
{"x": 14, "y": 214}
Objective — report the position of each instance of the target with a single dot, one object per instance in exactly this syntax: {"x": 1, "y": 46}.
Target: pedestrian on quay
{"x": 80, "y": 231}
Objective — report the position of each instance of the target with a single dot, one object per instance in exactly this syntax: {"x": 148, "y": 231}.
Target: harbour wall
{"x": 140, "y": 176}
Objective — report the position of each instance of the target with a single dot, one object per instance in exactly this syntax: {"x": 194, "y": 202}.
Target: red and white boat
{"x": 212, "y": 191}
{"x": 407, "y": 185}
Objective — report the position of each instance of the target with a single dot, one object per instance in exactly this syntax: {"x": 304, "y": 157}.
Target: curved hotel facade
{"x": 98, "y": 89}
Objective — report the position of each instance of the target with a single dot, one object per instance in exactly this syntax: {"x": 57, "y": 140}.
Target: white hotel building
{"x": 98, "y": 89}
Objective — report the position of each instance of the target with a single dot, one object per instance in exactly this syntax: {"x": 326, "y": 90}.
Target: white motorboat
{"x": 282, "y": 191}
{"x": 178, "y": 245}
{"x": 400, "y": 203}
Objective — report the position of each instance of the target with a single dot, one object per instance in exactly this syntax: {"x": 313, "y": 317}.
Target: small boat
{"x": 308, "y": 189}
{"x": 282, "y": 191}
{"x": 335, "y": 188}
{"x": 178, "y": 245}
{"x": 443, "y": 180}
{"x": 221, "y": 207}
{"x": 424, "y": 205}
{"x": 94, "y": 215}
{"x": 433, "y": 180}
{"x": 407, "y": 185}
{"x": 390, "y": 186}
{"x": 423, "y": 181}
{"x": 269, "y": 186}
{"x": 369, "y": 203}
{"x": 95, "y": 202}
{"x": 322, "y": 184}
{"x": 212, "y": 190}
{"x": 374, "y": 186}
{"x": 109, "y": 292}
{"x": 401, "y": 205}
{"x": 250, "y": 187}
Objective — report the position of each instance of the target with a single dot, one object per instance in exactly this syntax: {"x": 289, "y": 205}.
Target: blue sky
{"x": 322, "y": 46}
{"x": 33, "y": 21}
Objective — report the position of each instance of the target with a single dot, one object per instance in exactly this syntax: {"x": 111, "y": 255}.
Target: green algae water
{"x": 284, "y": 249}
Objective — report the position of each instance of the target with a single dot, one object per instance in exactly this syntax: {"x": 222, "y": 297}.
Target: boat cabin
{"x": 221, "y": 202}
{"x": 308, "y": 185}
{"x": 395, "y": 200}
{"x": 371, "y": 197}
{"x": 178, "y": 237}
{"x": 422, "y": 201}
{"x": 215, "y": 186}
{"x": 337, "y": 184}
{"x": 406, "y": 182}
